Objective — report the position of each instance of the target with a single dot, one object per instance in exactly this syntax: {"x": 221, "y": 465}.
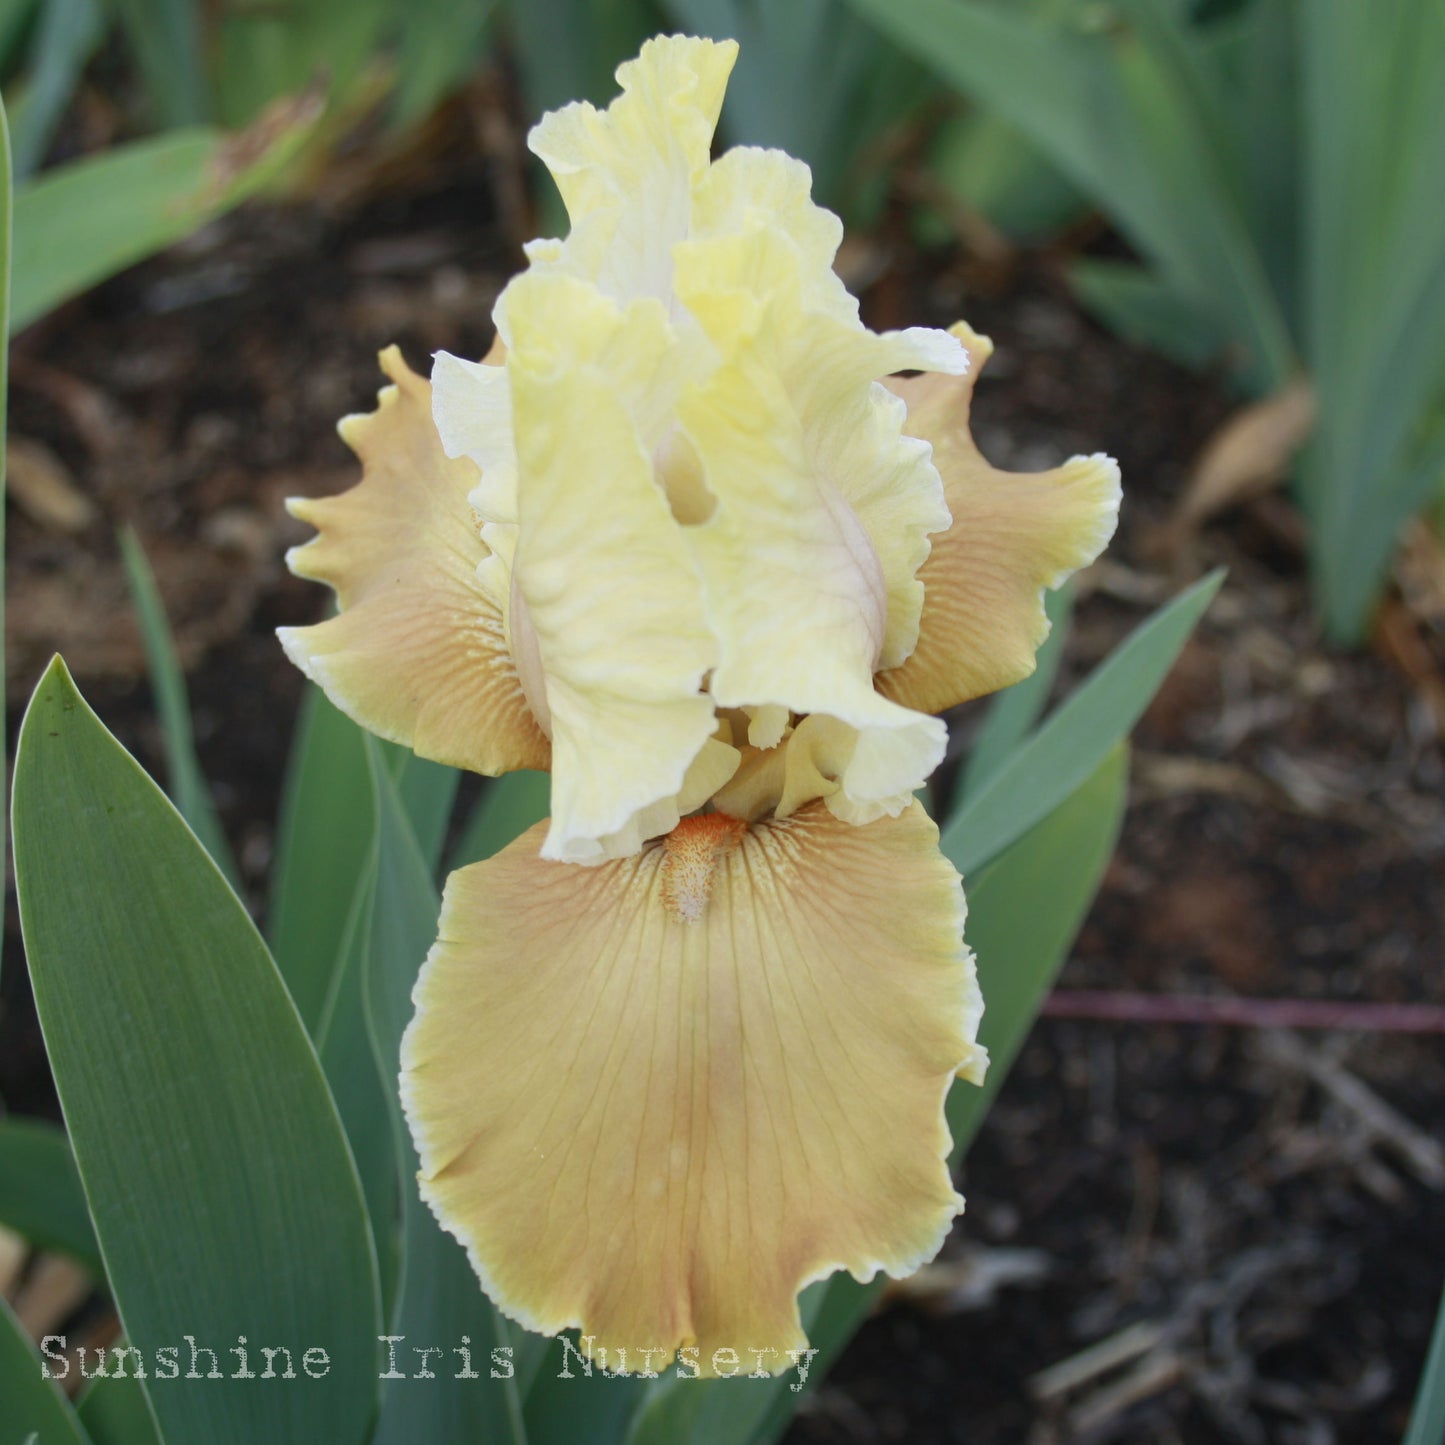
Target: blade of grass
{"x": 324, "y": 840}
{"x": 439, "y": 1297}
{"x": 14, "y": 17}
{"x": 1077, "y": 736}
{"x": 67, "y": 36}
{"x": 598, "y": 1408}
{"x": 224, "y": 1197}
{"x": 427, "y": 791}
{"x": 320, "y": 930}
{"x": 40, "y": 1194}
{"x": 984, "y": 162}
{"x": 508, "y": 806}
{"x": 6, "y": 193}
{"x": 1015, "y": 710}
{"x": 82, "y": 222}
{"x": 1427, "y": 1419}
{"x": 34, "y": 1408}
{"x": 115, "y": 1411}
{"x": 1260, "y": 53}
{"x": 566, "y": 51}
{"x": 343, "y": 1042}
{"x": 166, "y": 38}
{"x": 440, "y": 43}
{"x": 1142, "y": 308}
{"x": 1374, "y": 107}
{"x": 323, "y": 898}
{"x": 262, "y": 52}
{"x": 1020, "y": 945}
{"x": 188, "y": 785}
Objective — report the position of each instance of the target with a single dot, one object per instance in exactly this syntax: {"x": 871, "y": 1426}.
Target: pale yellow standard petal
{"x": 1013, "y": 535}
{"x": 806, "y": 563}
{"x": 417, "y": 652}
{"x": 472, "y": 407}
{"x": 749, "y": 186}
{"x": 613, "y": 599}
{"x": 757, "y": 276}
{"x": 626, "y": 174}
{"x": 655, "y": 1099}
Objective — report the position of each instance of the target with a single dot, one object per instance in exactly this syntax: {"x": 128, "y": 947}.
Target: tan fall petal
{"x": 1013, "y": 535}
{"x": 656, "y": 1098}
{"x": 417, "y": 652}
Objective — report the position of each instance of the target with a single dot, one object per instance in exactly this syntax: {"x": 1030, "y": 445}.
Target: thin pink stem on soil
{"x": 1256, "y": 1013}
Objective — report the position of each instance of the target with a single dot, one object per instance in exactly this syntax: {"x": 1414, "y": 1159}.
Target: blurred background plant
{"x": 1275, "y": 164}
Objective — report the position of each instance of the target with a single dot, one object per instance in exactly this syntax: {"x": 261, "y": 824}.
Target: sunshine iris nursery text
{"x": 191, "y": 1360}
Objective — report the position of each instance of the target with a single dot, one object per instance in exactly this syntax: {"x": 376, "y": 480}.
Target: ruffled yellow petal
{"x": 656, "y": 1098}
{"x": 1013, "y": 535}
{"x": 750, "y": 187}
{"x": 821, "y": 509}
{"x": 626, "y": 174}
{"x": 612, "y": 600}
{"x": 472, "y": 407}
{"x": 757, "y": 276}
{"x": 418, "y": 651}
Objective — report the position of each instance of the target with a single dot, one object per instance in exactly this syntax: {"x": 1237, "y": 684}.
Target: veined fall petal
{"x": 1013, "y": 535}
{"x": 656, "y": 1098}
{"x": 418, "y": 652}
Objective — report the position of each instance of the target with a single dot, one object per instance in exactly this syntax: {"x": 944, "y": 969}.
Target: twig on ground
{"x": 1411, "y": 1144}
{"x": 1098, "y": 1359}
{"x": 1156, "y": 1372}
{"x": 972, "y": 1280}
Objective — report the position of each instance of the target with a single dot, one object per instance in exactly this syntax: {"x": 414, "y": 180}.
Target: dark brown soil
{"x": 1275, "y": 1245}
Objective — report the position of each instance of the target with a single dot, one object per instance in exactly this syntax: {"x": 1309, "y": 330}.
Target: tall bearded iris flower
{"x": 684, "y": 538}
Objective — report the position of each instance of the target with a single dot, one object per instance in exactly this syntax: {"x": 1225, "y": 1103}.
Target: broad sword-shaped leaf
{"x": 224, "y": 1197}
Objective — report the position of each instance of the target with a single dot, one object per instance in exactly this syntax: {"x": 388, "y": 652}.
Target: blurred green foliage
{"x": 1427, "y": 1420}
{"x": 1276, "y": 165}
{"x": 245, "y": 95}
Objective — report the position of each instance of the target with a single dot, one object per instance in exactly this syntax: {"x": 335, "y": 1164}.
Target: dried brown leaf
{"x": 44, "y": 489}
{"x": 1249, "y": 453}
